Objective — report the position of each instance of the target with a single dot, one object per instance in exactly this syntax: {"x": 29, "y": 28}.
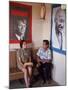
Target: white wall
{"x": 37, "y": 26}
{"x": 59, "y": 70}
{"x": 47, "y": 23}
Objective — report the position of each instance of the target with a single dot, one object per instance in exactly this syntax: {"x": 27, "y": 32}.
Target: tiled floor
{"x": 36, "y": 83}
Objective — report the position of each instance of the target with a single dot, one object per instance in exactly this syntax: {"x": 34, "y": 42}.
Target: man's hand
{"x": 45, "y": 61}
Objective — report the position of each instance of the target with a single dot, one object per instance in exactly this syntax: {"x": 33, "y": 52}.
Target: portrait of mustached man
{"x": 58, "y": 32}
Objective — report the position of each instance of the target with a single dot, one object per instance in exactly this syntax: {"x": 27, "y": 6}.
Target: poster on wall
{"x": 20, "y": 22}
{"x": 58, "y": 35}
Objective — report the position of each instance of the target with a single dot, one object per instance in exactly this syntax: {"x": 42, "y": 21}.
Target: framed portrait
{"x": 20, "y": 22}
{"x": 58, "y": 30}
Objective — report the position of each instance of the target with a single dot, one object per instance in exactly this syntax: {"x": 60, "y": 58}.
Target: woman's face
{"x": 24, "y": 45}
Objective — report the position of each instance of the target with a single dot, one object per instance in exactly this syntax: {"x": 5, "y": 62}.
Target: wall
{"x": 37, "y": 26}
{"x": 59, "y": 70}
{"x": 47, "y": 23}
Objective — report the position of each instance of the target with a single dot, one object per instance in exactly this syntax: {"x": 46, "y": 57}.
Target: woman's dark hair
{"x": 46, "y": 41}
{"x": 21, "y": 42}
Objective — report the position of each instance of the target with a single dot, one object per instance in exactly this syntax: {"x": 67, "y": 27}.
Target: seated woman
{"x": 24, "y": 62}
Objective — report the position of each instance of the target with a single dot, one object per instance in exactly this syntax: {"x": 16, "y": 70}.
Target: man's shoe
{"x": 44, "y": 81}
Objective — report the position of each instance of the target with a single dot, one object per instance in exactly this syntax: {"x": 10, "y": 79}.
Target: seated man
{"x": 44, "y": 61}
{"x": 24, "y": 62}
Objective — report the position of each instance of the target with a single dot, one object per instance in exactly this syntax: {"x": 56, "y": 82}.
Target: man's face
{"x": 45, "y": 46}
{"x": 60, "y": 20}
{"x": 22, "y": 26}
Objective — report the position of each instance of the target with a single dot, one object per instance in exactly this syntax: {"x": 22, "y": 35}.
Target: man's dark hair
{"x": 46, "y": 41}
{"x": 21, "y": 42}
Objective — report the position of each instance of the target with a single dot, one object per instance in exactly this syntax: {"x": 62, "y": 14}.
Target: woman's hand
{"x": 24, "y": 66}
{"x": 28, "y": 64}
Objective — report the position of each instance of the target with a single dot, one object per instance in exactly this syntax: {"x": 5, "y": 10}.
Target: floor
{"x": 37, "y": 82}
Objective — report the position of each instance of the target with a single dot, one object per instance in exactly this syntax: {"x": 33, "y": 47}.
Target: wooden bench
{"x": 14, "y": 72}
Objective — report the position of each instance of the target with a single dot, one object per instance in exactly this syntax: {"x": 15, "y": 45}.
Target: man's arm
{"x": 38, "y": 55}
{"x": 48, "y": 59}
{"x": 38, "y": 61}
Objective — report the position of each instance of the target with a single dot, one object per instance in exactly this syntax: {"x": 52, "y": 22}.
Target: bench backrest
{"x": 12, "y": 59}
